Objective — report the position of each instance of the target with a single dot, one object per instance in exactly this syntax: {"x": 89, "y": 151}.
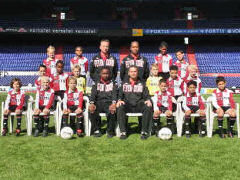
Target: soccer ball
{"x": 66, "y": 133}
{"x": 165, "y": 133}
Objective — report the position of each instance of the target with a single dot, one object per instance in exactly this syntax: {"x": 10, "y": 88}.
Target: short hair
{"x": 76, "y": 67}
{"x": 173, "y": 68}
{"x": 106, "y": 68}
{"x": 80, "y": 47}
{"x": 72, "y": 78}
{"x": 162, "y": 81}
{"x": 163, "y": 44}
{"x": 192, "y": 83}
{"x": 45, "y": 78}
{"x": 155, "y": 65}
{"x": 42, "y": 66}
{"x": 60, "y": 62}
{"x": 50, "y": 48}
{"x": 134, "y": 42}
{"x": 219, "y": 79}
{"x": 179, "y": 50}
{"x": 133, "y": 66}
{"x": 16, "y": 80}
{"x": 105, "y": 40}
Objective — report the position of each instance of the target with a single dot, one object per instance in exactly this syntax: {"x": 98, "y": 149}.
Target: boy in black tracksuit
{"x": 103, "y": 100}
{"x": 134, "y": 59}
{"x": 103, "y": 59}
{"x": 134, "y": 98}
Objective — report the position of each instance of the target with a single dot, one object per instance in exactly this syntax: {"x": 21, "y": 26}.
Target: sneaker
{"x": 45, "y": 133}
{"x": 4, "y": 132}
{"x": 18, "y": 132}
{"x": 123, "y": 135}
{"x": 80, "y": 133}
{"x": 97, "y": 133}
{"x": 36, "y": 133}
{"x": 144, "y": 136}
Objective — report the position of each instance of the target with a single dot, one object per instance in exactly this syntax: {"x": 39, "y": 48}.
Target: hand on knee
{"x": 188, "y": 113}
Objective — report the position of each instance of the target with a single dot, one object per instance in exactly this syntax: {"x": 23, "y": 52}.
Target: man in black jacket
{"x": 134, "y": 98}
{"x": 134, "y": 59}
{"x": 103, "y": 59}
{"x": 103, "y": 100}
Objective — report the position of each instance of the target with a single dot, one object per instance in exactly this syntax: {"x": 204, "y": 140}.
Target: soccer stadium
{"x": 117, "y": 89}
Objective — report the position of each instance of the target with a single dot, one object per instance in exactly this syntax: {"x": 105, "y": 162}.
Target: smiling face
{"x": 133, "y": 73}
{"x": 72, "y": 84}
{"x": 78, "y": 51}
{"x": 163, "y": 86}
{"x": 221, "y": 85}
{"x": 192, "y": 89}
{"x": 45, "y": 82}
{"x": 134, "y": 48}
{"x": 180, "y": 56}
{"x": 16, "y": 86}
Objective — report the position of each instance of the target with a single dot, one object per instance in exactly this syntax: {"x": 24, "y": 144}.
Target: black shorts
{"x": 59, "y": 93}
{"x": 163, "y": 109}
{"x": 224, "y": 108}
{"x": 73, "y": 108}
{"x": 14, "y": 107}
{"x": 194, "y": 109}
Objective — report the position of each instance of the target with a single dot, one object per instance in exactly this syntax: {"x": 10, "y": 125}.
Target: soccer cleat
{"x": 36, "y": 133}
{"x": 123, "y": 136}
{"x": 4, "y": 132}
{"x": 188, "y": 134}
{"x": 18, "y": 132}
{"x": 202, "y": 134}
{"x": 110, "y": 134}
{"x": 80, "y": 133}
{"x": 230, "y": 134}
{"x": 97, "y": 133}
{"x": 144, "y": 136}
{"x": 45, "y": 133}
{"x": 221, "y": 133}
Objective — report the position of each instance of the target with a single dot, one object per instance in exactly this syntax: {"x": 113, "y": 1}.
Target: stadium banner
{"x": 50, "y": 30}
{"x": 190, "y": 31}
{"x": 137, "y": 32}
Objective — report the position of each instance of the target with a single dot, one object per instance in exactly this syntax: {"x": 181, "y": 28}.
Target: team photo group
{"x": 151, "y": 90}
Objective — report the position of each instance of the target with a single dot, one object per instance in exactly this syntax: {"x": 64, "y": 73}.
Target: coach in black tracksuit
{"x": 134, "y": 59}
{"x": 103, "y": 59}
{"x": 134, "y": 98}
{"x": 103, "y": 100}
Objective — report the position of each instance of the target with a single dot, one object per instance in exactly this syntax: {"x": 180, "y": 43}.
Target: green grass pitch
{"x": 102, "y": 158}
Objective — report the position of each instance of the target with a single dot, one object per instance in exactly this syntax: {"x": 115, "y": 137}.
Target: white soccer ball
{"x": 66, "y": 133}
{"x": 165, "y": 133}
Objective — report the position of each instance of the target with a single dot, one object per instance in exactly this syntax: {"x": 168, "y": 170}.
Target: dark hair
{"x": 163, "y": 44}
{"x": 80, "y": 47}
{"x": 60, "y": 62}
{"x": 16, "y": 80}
{"x": 179, "y": 50}
{"x": 192, "y": 83}
{"x": 134, "y": 42}
{"x": 43, "y": 66}
{"x": 173, "y": 68}
{"x": 219, "y": 79}
{"x": 162, "y": 81}
{"x": 105, "y": 68}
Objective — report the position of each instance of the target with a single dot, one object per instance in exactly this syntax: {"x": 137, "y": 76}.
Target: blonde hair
{"x": 45, "y": 78}
{"x": 72, "y": 79}
{"x": 76, "y": 67}
{"x": 155, "y": 65}
{"x": 51, "y": 48}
